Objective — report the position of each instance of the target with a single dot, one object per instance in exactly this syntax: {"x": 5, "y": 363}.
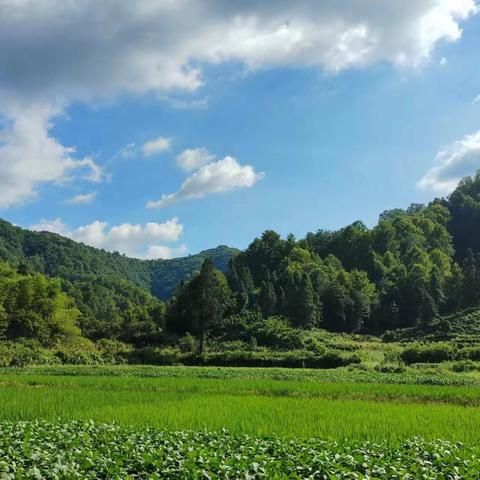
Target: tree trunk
{"x": 202, "y": 342}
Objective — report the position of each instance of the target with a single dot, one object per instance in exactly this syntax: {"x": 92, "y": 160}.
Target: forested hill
{"x": 417, "y": 268}
{"x": 167, "y": 274}
{"x": 57, "y": 256}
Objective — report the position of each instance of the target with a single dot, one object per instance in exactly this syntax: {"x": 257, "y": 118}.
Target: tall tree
{"x": 200, "y": 304}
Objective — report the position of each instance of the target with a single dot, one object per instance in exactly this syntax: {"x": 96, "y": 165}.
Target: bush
{"x": 432, "y": 353}
{"x": 113, "y": 351}
{"x": 388, "y": 367}
{"x": 187, "y": 343}
{"x": 78, "y": 351}
{"x": 243, "y": 358}
{"x": 25, "y": 353}
{"x": 276, "y": 332}
{"x": 464, "y": 366}
{"x": 469, "y": 353}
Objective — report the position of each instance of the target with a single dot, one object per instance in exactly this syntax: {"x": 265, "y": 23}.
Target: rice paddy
{"x": 246, "y": 401}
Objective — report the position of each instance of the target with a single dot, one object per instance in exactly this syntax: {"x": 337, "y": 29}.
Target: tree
{"x": 200, "y": 304}
{"x": 267, "y": 298}
{"x": 471, "y": 279}
{"x": 464, "y": 224}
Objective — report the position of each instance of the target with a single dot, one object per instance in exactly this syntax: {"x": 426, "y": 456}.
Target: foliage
{"x": 200, "y": 304}
{"x": 245, "y": 358}
{"x": 74, "y": 351}
{"x": 57, "y": 256}
{"x": 432, "y": 353}
{"x": 118, "y": 310}
{"x": 416, "y": 273}
{"x": 167, "y": 274}
{"x": 87, "y": 450}
{"x": 349, "y": 375}
{"x": 34, "y": 307}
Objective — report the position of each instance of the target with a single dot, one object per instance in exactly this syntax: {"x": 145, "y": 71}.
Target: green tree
{"x": 200, "y": 304}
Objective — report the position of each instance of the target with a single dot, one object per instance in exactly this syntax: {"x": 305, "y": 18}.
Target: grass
{"x": 332, "y": 405}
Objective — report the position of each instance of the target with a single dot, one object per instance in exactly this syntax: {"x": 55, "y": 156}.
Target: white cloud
{"x": 160, "y": 251}
{"x": 216, "y": 177}
{"x": 185, "y": 103}
{"x": 457, "y": 161}
{"x": 55, "y": 226}
{"x": 29, "y": 156}
{"x": 127, "y": 152}
{"x": 140, "y": 241}
{"x": 476, "y": 100}
{"x": 87, "y": 49}
{"x": 159, "y": 145}
{"x": 443, "y": 62}
{"x": 82, "y": 199}
{"x": 56, "y": 52}
{"x": 194, "y": 158}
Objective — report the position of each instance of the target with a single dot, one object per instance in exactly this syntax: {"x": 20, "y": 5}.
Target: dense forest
{"x": 413, "y": 269}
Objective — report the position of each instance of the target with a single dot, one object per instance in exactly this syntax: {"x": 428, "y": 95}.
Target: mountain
{"x": 167, "y": 274}
{"x": 57, "y": 256}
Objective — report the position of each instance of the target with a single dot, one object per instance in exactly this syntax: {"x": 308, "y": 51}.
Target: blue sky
{"x": 311, "y": 142}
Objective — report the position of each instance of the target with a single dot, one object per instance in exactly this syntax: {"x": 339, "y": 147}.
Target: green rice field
{"x": 335, "y": 405}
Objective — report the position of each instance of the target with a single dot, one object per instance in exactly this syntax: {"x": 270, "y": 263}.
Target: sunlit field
{"x": 329, "y": 409}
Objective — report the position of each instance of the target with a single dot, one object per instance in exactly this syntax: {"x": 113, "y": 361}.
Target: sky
{"x": 160, "y": 128}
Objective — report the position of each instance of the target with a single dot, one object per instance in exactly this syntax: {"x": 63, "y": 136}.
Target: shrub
{"x": 276, "y": 332}
{"x": 187, "y": 343}
{"x": 25, "y": 353}
{"x": 469, "y": 353}
{"x": 113, "y": 351}
{"x": 431, "y": 353}
{"x": 387, "y": 367}
{"x": 245, "y": 358}
{"x": 78, "y": 351}
{"x": 464, "y": 366}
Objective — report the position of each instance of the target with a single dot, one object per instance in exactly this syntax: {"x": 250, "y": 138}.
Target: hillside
{"x": 167, "y": 274}
{"x": 57, "y": 256}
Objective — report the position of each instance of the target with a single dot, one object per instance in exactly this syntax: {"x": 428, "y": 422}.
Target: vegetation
{"x": 336, "y": 410}
{"x": 200, "y": 304}
{"x": 57, "y": 256}
{"x": 184, "y": 422}
{"x": 88, "y": 450}
{"x": 414, "y": 276}
{"x": 410, "y": 376}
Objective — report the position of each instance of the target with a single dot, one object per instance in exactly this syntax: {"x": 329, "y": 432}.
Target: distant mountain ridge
{"x": 58, "y": 256}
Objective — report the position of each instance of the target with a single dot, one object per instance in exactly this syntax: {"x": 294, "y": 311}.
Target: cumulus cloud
{"x": 161, "y": 251}
{"x": 216, "y": 177}
{"x": 56, "y": 52}
{"x": 140, "y": 241}
{"x": 452, "y": 164}
{"x": 476, "y": 100}
{"x": 29, "y": 157}
{"x": 88, "y": 48}
{"x": 194, "y": 158}
{"x": 159, "y": 145}
{"x": 82, "y": 199}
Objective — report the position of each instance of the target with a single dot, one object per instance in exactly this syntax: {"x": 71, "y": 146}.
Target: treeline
{"x": 414, "y": 267}
{"x": 411, "y": 271}
{"x": 53, "y": 311}
{"x": 57, "y": 256}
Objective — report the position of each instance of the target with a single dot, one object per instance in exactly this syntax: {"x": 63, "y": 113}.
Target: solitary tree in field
{"x": 200, "y": 304}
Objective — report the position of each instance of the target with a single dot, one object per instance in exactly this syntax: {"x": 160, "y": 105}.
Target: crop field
{"x": 259, "y": 404}
{"x": 130, "y": 422}
{"x": 37, "y": 450}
